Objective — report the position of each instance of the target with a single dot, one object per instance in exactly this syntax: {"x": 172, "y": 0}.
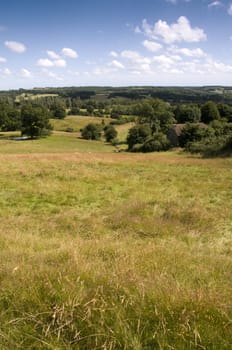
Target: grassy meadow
{"x": 76, "y": 122}
{"x": 104, "y": 250}
{"x": 79, "y": 122}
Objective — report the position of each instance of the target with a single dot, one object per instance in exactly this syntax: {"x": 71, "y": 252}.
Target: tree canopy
{"x": 34, "y": 121}
{"x": 91, "y": 132}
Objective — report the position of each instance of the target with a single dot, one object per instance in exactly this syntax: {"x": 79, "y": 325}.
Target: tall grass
{"x": 115, "y": 251}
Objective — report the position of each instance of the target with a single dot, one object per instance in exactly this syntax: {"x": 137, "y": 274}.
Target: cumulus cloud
{"x": 53, "y": 55}
{"x": 25, "y": 73}
{"x": 135, "y": 57}
{"x": 181, "y": 31}
{"x": 15, "y": 46}
{"x": 47, "y": 63}
{"x": 137, "y": 61}
{"x": 215, "y": 4}
{"x": 116, "y": 64}
{"x": 164, "y": 60}
{"x": 6, "y": 71}
{"x": 152, "y": 45}
{"x": 59, "y": 63}
{"x": 51, "y": 75}
{"x": 198, "y": 53}
{"x": 113, "y": 54}
{"x": 69, "y": 52}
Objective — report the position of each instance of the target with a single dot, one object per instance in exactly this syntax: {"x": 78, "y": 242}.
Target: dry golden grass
{"x": 115, "y": 251}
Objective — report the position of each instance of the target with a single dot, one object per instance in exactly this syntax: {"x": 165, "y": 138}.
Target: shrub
{"x": 110, "y": 133}
{"x": 158, "y": 142}
{"x": 138, "y": 135}
{"x": 195, "y": 133}
{"x": 209, "y": 112}
{"x": 91, "y": 132}
{"x": 68, "y": 129}
{"x": 74, "y": 111}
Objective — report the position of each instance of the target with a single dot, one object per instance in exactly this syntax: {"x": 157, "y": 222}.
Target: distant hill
{"x": 171, "y": 94}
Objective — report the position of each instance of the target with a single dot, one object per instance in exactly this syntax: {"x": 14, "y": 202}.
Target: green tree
{"x": 13, "y": 121}
{"x": 110, "y": 133}
{"x": 225, "y": 111}
{"x": 187, "y": 113}
{"x": 91, "y": 132}
{"x": 90, "y": 109}
{"x": 195, "y": 133}
{"x": 9, "y": 117}
{"x": 138, "y": 135}
{"x": 35, "y": 121}
{"x": 157, "y": 113}
{"x": 58, "y": 110}
{"x": 209, "y": 112}
{"x": 3, "y": 115}
{"x": 157, "y": 142}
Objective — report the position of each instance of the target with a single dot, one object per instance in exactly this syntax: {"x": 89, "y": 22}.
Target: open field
{"x": 57, "y": 143}
{"x": 76, "y": 122}
{"x": 79, "y": 122}
{"x": 113, "y": 251}
{"x": 31, "y": 96}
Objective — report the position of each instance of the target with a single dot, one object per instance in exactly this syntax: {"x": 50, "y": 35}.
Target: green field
{"x": 101, "y": 250}
{"x": 56, "y": 143}
{"x": 79, "y": 122}
{"x": 76, "y": 122}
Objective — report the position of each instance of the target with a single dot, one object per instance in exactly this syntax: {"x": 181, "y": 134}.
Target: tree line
{"x": 31, "y": 118}
{"x": 206, "y": 125}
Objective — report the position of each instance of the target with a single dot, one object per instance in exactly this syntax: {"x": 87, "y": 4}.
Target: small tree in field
{"x": 110, "y": 133}
{"x": 91, "y": 132}
{"x": 138, "y": 135}
{"x": 35, "y": 121}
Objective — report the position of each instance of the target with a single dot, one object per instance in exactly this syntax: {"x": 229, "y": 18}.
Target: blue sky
{"x": 115, "y": 42}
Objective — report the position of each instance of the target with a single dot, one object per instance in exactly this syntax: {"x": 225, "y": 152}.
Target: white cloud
{"x": 69, "y": 52}
{"x": 3, "y": 59}
{"x": 113, "y": 54}
{"x": 135, "y": 57}
{"x": 214, "y": 67}
{"x": 138, "y": 30}
{"x": 15, "y": 46}
{"x": 152, "y": 45}
{"x": 59, "y": 63}
{"x": 175, "y": 32}
{"x": 137, "y": 61}
{"x": 25, "y": 73}
{"x": 51, "y": 75}
{"x": 215, "y": 4}
{"x": 45, "y": 62}
{"x": 198, "y": 53}
{"x": 6, "y": 71}
{"x": 164, "y": 60}
{"x": 53, "y": 55}
{"x": 116, "y": 64}
{"x": 176, "y": 71}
